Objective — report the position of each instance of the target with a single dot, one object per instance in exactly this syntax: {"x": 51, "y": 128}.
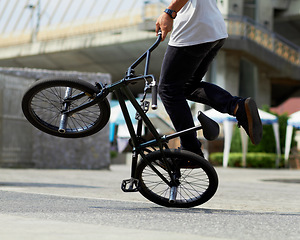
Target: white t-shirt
{"x": 199, "y": 21}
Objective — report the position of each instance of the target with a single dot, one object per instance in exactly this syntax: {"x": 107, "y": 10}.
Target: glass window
{"x": 250, "y": 9}
{"x": 248, "y": 79}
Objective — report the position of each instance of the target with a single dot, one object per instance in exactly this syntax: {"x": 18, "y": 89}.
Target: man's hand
{"x": 165, "y": 24}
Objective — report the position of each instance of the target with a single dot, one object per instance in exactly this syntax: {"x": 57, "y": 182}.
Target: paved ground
{"x": 80, "y": 204}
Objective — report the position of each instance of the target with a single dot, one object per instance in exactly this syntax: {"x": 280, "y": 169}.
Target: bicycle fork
{"x": 174, "y": 175}
{"x": 174, "y": 186}
{"x": 64, "y": 116}
{"x": 173, "y": 194}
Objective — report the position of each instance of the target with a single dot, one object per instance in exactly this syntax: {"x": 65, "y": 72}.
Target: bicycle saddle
{"x": 210, "y": 128}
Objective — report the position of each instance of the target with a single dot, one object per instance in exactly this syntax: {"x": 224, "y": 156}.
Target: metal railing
{"x": 25, "y": 21}
{"x": 245, "y": 28}
{"x": 241, "y": 27}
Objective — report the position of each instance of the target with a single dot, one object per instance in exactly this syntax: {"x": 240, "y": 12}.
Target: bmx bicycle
{"x": 70, "y": 107}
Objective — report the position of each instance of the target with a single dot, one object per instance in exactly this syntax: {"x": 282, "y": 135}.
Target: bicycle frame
{"x": 138, "y": 146}
{"x": 122, "y": 91}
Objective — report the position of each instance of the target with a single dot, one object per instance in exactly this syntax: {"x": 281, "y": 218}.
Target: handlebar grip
{"x": 154, "y": 97}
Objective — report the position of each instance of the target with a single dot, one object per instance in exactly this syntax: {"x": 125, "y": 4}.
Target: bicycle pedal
{"x": 130, "y": 185}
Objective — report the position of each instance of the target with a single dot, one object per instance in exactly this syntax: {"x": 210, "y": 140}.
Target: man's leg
{"x": 179, "y": 65}
{"x": 214, "y": 96}
{"x": 245, "y": 109}
{"x": 207, "y": 93}
{"x": 171, "y": 86}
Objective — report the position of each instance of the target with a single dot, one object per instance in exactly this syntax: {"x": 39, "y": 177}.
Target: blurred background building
{"x": 261, "y": 57}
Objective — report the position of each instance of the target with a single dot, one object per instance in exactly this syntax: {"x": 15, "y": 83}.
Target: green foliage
{"x": 236, "y": 142}
{"x": 113, "y": 154}
{"x": 253, "y": 160}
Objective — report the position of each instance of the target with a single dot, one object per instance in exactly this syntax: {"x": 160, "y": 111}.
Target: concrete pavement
{"x": 88, "y": 204}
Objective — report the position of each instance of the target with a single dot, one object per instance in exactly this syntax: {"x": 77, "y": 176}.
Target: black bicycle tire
{"x": 74, "y": 82}
{"x": 144, "y": 188}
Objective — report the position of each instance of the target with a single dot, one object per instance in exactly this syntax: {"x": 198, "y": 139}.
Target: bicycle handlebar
{"x": 144, "y": 55}
{"x": 154, "y": 97}
{"x": 154, "y": 87}
{"x": 139, "y": 60}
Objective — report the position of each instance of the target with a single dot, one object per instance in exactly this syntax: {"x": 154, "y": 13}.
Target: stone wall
{"x": 22, "y": 145}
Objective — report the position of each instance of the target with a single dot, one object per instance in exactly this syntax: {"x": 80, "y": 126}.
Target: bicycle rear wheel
{"x": 43, "y": 104}
{"x": 196, "y": 186}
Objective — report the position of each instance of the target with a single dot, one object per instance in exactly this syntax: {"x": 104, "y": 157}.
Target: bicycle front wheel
{"x": 195, "y": 187}
{"x": 44, "y": 101}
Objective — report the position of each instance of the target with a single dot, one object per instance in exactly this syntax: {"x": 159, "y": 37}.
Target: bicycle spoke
{"x": 193, "y": 185}
{"x": 48, "y": 104}
{"x": 154, "y": 183}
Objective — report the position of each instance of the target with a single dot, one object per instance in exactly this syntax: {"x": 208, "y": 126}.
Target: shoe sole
{"x": 254, "y": 121}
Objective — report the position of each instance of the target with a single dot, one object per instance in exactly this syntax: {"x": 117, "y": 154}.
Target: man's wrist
{"x": 171, "y": 13}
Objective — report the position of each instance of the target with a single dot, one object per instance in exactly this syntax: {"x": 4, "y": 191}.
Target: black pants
{"x": 181, "y": 78}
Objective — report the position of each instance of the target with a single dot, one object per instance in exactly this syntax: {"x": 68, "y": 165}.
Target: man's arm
{"x": 165, "y": 22}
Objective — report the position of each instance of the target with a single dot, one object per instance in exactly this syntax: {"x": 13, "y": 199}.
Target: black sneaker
{"x": 248, "y": 117}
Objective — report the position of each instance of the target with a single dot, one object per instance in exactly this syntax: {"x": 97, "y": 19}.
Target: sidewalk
{"x": 89, "y": 204}
{"x": 239, "y": 189}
